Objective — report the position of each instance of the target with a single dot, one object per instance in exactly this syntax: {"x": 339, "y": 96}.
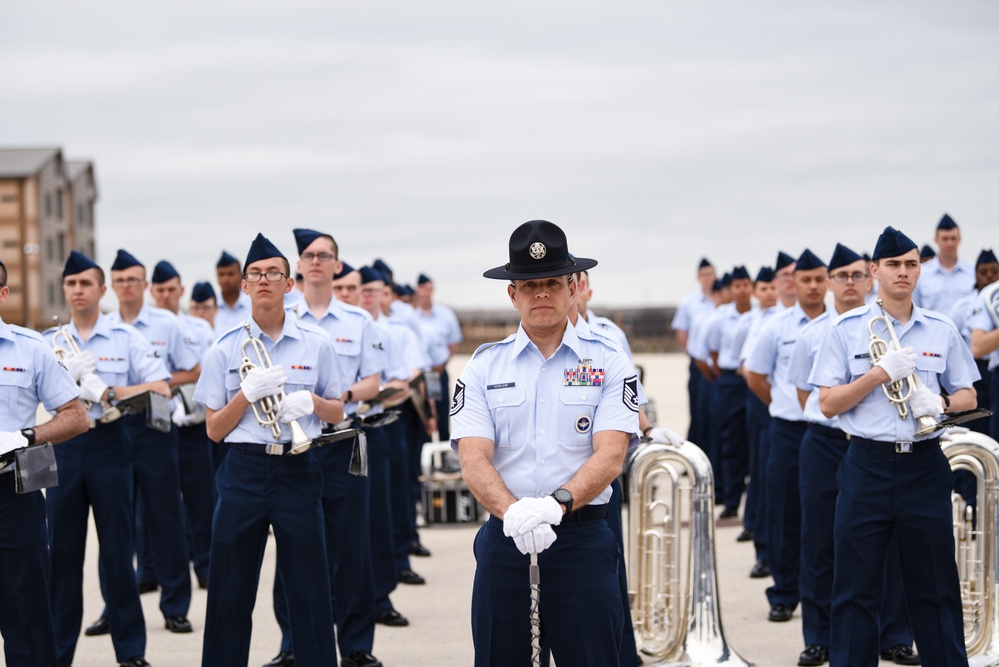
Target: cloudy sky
{"x": 425, "y": 132}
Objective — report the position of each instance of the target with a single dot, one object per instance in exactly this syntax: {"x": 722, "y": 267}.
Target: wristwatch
{"x": 564, "y": 496}
{"x": 111, "y": 394}
{"x": 29, "y": 435}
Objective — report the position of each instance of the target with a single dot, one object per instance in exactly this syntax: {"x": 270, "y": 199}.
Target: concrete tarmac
{"x": 438, "y": 634}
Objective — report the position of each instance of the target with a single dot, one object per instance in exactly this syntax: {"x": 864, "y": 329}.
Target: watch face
{"x": 563, "y": 496}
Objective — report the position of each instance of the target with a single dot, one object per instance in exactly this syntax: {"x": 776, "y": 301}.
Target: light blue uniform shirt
{"x": 439, "y": 330}
{"x": 164, "y": 332}
{"x": 721, "y": 337}
{"x": 805, "y": 350}
{"x": 586, "y": 329}
{"x": 938, "y": 288}
{"x": 359, "y": 347}
{"x": 30, "y": 375}
{"x": 307, "y": 355}
{"x": 415, "y": 356}
{"x": 942, "y": 360}
{"x": 198, "y": 334}
{"x": 226, "y": 318}
{"x": 541, "y": 414}
{"x": 697, "y": 341}
{"x": 122, "y": 355}
{"x": 960, "y": 313}
{"x": 981, "y": 319}
{"x": 610, "y": 330}
{"x": 772, "y": 356}
{"x": 395, "y": 356}
{"x": 692, "y": 308}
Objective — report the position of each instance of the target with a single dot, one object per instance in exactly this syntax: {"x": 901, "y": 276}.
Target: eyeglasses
{"x": 121, "y": 282}
{"x": 846, "y": 277}
{"x": 323, "y": 257}
{"x": 255, "y": 276}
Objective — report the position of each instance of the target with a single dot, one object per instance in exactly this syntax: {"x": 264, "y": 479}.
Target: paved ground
{"x": 439, "y": 612}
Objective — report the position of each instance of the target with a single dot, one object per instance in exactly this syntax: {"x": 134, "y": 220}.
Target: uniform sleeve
{"x": 182, "y": 356}
{"x": 831, "y": 367}
{"x": 454, "y": 333}
{"x": 331, "y": 373}
{"x": 415, "y": 358}
{"x": 960, "y": 371}
{"x": 470, "y": 417}
{"x": 210, "y": 390}
{"x": 799, "y": 366}
{"x": 712, "y": 335}
{"x": 54, "y": 385}
{"x": 373, "y": 357}
{"x": 762, "y": 358}
{"x": 144, "y": 365}
{"x": 980, "y": 318}
{"x": 619, "y": 400}
{"x": 681, "y": 319}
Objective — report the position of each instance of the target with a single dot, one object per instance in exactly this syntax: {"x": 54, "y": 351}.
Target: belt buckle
{"x": 904, "y": 447}
{"x": 274, "y": 449}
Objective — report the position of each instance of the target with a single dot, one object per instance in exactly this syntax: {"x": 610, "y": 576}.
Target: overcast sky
{"x": 425, "y": 132}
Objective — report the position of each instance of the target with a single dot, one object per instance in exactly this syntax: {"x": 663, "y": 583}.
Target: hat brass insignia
{"x": 538, "y": 250}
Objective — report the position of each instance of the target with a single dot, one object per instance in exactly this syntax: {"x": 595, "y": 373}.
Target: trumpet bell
{"x": 300, "y": 443}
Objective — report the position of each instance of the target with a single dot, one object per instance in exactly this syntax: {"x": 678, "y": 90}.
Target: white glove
{"x": 665, "y": 436}
{"x": 924, "y": 403}
{"x": 261, "y": 382}
{"x": 80, "y": 365}
{"x": 92, "y": 388}
{"x": 528, "y": 513}
{"x": 296, "y": 405}
{"x": 537, "y": 540}
{"x": 898, "y": 363}
{"x": 11, "y": 440}
{"x": 181, "y": 418}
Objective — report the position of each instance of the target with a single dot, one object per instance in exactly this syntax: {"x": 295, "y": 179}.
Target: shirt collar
{"x": 290, "y": 328}
{"x": 569, "y": 339}
{"x": 6, "y": 331}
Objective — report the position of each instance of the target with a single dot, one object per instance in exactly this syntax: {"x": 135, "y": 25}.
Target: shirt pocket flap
{"x": 232, "y": 379}
{"x": 16, "y": 378}
{"x": 111, "y": 366}
{"x": 302, "y": 377}
{"x": 860, "y": 367}
{"x": 930, "y": 363}
{"x": 589, "y": 396}
{"x": 504, "y": 398}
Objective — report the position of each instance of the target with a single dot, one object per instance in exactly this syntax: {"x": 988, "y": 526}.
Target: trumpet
{"x": 268, "y": 409}
{"x": 67, "y": 349}
{"x": 898, "y": 392}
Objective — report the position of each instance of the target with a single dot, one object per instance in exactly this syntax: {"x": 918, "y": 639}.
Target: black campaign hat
{"x": 538, "y": 249}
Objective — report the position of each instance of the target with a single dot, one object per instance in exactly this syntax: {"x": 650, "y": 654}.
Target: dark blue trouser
{"x": 581, "y": 623}
{"x": 383, "y": 564}
{"x": 712, "y": 435}
{"x": 758, "y": 432}
{"x": 346, "y": 500}
{"x": 443, "y": 405}
{"x": 822, "y": 450}
{"x": 157, "y": 483}
{"x": 95, "y": 470}
{"x": 784, "y": 511}
{"x": 881, "y": 493}
{"x": 731, "y": 390}
{"x": 629, "y": 652}
{"x": 399, "y": 494}
{"x": 25, "y": 615}
{"x": 695, "y": 431}
{"x": 416, "y": 437}
{"x": 257, "y": 492}
{"x": 197, "y": 486}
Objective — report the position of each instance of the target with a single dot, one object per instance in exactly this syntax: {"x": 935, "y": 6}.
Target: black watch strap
{"x": 29, "y": 435}
{"x": 564, "y": 496}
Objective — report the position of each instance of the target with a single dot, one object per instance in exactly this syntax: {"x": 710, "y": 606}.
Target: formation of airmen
{"x": 176, "y": 466}
{"x": 765, "y": 406}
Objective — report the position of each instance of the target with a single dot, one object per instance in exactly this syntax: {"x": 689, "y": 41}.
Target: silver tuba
{"x": 897, "y": 393}
{"x": 268, "y": 409}
{"x": 990, "y": 295}
{"x": 673, "y": 584}
{"x": 64, "y": 346}
{"x": 976, "y": 542}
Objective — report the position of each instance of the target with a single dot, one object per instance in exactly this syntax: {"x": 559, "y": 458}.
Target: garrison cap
{"x": 716, "y": 286}
{"x": 380, "y": 265}
{"x": 926, "y": 252}
{"x": 986, "y": 257}
{"x": 842, "y": 256}
{"x": 423, "y": 279}
{"x": 124, "y": 260}
{"x": 538, "y": 249}
{"x": 407, "y": 290}
{"x": 892, "y": 243}
{"x": 370, "y": 274}
{"x": 347, "y": 268}
{"x": 783, "y": 259}
{"x": 704, "y": 263}
{"x": 77, "y": 262}
{"x": 740, "y": 273}
{"x": 262, "y": 248}
{"x": 163, "y": 271}
{"x": 305, "y": 237}
{"x": 726, "y": 280}
{"x": 808, "y": 261}
{"x": 225, "y": 259}
{"x": 202, "y": 292}
{"x": 765, "y": 275}
{"x": 946, "y": 222}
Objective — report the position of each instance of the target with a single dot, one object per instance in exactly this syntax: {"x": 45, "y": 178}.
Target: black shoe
{"x": 98, "y": 627}
{"x": 760, "y": 571}
{"x": 178, "y": 625}
{"x": 779, "y": 613}
{"x": 419, "y": 550}
{"x": 134, "y": 661}
{"x": 729, "y": 513}
{"x": 813, "y": 655}
{"x": 360, "y": 659}
{"x": 282, "y": 659}
{"x": 410, "y": 577}
{"x": 391, "y": 617}
{"x": 745, "y": 536}
{"x": 203, "y": 583}
{"x": 146, "y": 587}
{"x": 901, "y": 655}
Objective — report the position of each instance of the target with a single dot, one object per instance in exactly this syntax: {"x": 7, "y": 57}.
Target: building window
{"x": 52, "y": 293}
{"x": 48, "y": 248}
{"x": 80, "y": 219}
{"x": 59, "y": 203}
{"x": 48, "y": 205}
{"x": 61, "y": 239}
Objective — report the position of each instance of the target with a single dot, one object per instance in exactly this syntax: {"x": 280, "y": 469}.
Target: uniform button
{"x": 542, "y": 462}
{"x": 582, "y": 397}
{"x": 542, "y": 431}
{"x": 544, "y": 370}
{"x": 542, "y": 400}
{"x": 500, "y": 400}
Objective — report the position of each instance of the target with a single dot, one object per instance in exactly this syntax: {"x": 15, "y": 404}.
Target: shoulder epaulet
{"x": 311, "y": 328}
{"x": 595, "y": 336}
{"x": 28, "y": 333}
{"x": 230, "y": 331}
{"x": 50, "y": 330}
{"x": 487, "y": 346}
{"x": 940, "y": 317}
{"x": 850, "y": 314}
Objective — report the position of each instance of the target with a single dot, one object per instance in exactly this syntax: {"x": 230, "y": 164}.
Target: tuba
{"x": 673, "y": 584}
{"x": 898, "y": 392}
{"x": 64, "y": 346}
{"x": 975, "y": 542}
{"x": 268, "y": 409}
{"x": 990, "y": 296}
